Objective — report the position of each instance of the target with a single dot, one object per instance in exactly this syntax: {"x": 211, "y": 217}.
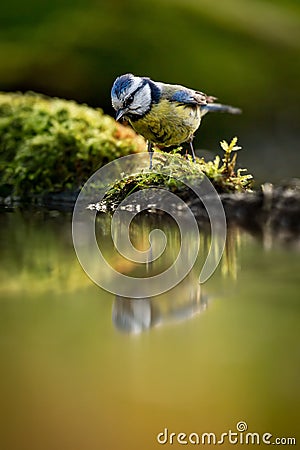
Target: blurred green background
{"x": 245, "y": 52}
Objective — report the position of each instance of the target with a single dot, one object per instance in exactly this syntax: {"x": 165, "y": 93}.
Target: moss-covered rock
{"x": 171, "y": 174}
{"x": 53, "y": 145}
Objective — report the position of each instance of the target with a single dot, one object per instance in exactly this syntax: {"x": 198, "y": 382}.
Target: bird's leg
{"x": 192, "y": 150}
{"x": 150, "y": 150}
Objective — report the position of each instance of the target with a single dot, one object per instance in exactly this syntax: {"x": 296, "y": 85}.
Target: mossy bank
{"x": 54, "y": 145}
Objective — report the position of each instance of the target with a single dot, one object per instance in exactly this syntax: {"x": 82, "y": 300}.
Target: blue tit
{"x": 165, "y": 114}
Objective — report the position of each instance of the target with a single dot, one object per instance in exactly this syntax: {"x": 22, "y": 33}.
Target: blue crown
{"x": 122, "y": 84}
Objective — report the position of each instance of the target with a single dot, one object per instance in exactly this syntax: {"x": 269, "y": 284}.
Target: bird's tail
{"x": 217, "y": 107}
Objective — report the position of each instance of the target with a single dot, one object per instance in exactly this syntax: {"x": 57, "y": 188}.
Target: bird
{"x": 164, "y": 114}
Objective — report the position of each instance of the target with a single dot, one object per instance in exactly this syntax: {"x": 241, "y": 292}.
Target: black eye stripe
{"x": 128, "y": 100}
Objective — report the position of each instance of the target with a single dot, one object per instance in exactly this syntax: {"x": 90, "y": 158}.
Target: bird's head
{"x": 131, "y": 96}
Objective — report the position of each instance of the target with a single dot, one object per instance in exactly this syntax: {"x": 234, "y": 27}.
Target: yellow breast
{"x": 168, "y": 123}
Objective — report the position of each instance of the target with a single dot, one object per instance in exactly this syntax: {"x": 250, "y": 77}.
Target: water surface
{"x": 84, "y": 369}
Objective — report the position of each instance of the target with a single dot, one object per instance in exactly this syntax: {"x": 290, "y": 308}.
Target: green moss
{"x": 172, "y": 174}
{"x": 52, "y": 145}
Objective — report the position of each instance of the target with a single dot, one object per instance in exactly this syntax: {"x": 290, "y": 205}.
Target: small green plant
{"x": 223, "y": 176}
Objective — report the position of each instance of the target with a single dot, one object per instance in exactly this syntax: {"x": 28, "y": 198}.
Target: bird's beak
{"x": 120, "y": 113}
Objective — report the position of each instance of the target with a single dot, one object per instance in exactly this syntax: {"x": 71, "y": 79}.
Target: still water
{"x": 84, "y": 369}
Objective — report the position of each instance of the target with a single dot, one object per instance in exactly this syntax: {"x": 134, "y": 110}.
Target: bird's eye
{"x": 128, "y": 100}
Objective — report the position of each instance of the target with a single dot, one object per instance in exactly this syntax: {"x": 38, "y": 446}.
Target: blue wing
{"x": 189, "y": 97}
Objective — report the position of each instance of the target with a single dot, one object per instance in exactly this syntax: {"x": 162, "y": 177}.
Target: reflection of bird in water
{"x": 183, "y": 302}
{"x": 132, "y": 315}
